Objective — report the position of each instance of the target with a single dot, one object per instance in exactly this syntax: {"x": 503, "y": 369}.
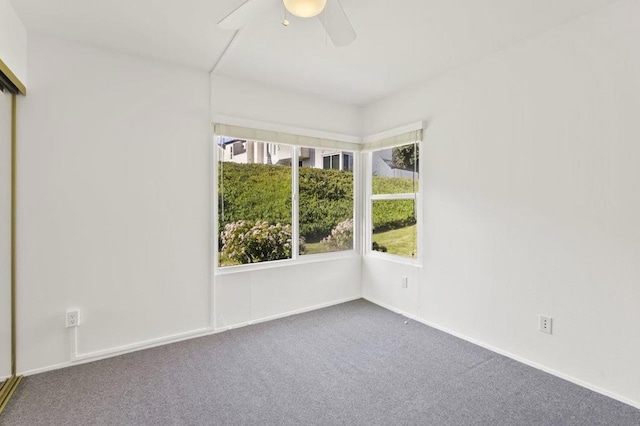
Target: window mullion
{"x": 295, "y": 202}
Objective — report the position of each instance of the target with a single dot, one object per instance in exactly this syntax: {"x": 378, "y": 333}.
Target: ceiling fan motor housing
{"x": 305, "y": 8}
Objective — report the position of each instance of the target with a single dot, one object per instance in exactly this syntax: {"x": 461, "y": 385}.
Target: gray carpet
{"x": 350, "y": 364}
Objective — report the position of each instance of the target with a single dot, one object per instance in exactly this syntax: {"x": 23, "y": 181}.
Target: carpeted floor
{"x": 352, "y": 364}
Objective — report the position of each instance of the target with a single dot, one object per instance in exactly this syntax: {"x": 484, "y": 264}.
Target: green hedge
{"x": 392, "y": 214}
{"x": 389, "y": 185}
{"x": 254, "y": 192}
{"x": 263, "y": 192}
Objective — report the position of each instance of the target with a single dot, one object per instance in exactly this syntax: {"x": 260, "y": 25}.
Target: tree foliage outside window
{"x": 406, "y": 157}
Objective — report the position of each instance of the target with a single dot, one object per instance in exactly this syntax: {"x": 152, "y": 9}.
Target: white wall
{"x": 245, "y": 297}
{"x": 114, "y": 200}
{"x": 532, "y": 200}
{"x": 5, "y": 235}
{"x": 13, "y": 41}
{"x": 241, "y": 99}
{"x": 114, "y": 210}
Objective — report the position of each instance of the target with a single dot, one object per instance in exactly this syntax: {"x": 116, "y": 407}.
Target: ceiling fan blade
{"x": 244, "y": 14}
{"x": 337, "y": 24}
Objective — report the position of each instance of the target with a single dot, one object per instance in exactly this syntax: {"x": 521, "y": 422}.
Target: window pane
{"x": 254, "y": 202}
{"x": 326, "y": 162}
{"x": 394, "y": 227}
{"x": 395, "y": 170}
{"x": 347, "y": 161}
{"x": 326, "y": 204}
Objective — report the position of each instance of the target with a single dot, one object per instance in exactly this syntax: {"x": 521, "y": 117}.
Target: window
{"x": 339, "y": 161}
{"x": 331, "y": 162}
{"x": 394, "y": 200}
{"x": 238, "y": 148}
{"x": 253, "y": 227}
{"x": 326, "y": 206}
{"x": 259, "y": 219}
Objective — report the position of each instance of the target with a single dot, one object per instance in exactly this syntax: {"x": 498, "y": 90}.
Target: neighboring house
{"x": 382, "y": 165}
{"x": 253, "y": 152}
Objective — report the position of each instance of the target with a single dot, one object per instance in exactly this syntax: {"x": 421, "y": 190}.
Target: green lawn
{"x": 225, "y": 261}
{"x": 315, "y": 248}
{"x": 309, "y": 248}
{"x": 398, "y": 241}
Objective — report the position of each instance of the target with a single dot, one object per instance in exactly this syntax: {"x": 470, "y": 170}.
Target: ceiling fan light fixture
{"x": 305, "y": 8}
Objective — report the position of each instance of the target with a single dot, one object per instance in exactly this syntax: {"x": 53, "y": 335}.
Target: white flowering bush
{"x": 341, "y": 237}
{"x": 247, "y": 241}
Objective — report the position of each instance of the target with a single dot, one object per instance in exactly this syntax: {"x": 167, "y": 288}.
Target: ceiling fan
{"x": 329, "y": 12}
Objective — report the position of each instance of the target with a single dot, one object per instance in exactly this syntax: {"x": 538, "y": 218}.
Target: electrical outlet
{"x": 73, "y": 319}
{"x": 404, "y": 282}
{"x": 546, "y": 324}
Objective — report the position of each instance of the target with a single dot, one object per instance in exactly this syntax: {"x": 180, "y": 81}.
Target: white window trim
{"x": 393, "y": 137}
{"x": 213, "y": 181}
{"x": 296, "y": 258}
{"x": 395, "y": 258}
{"x": 301, "y": 260}
{"x": 362, "y": 193}
{"x": 385, "y": 197}
{"x": 281, "y": 133}
{"x": 295, "y": 204}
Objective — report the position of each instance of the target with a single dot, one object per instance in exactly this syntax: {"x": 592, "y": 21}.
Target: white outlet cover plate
{"x": 546, "y": 324}
{"x": 72, "y": 318}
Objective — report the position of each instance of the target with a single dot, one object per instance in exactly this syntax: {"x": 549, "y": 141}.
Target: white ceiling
{"x": 399, "y": 42}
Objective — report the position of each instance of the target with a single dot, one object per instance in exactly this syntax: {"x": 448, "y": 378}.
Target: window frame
{"x": 370, "y": 197}
{"x": 296, "y": 258}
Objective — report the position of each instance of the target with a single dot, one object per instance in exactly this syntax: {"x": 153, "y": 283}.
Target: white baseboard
{"x": 288, "y": 314}
{"x": 3, "y": 378}
{"x": 309, "y": 309}
{"x": 77, "y": 359}
{"x": 48, "y": 368}
{"x": 151, "y": 343}
{"x": 233, "y": 327}
{"x": 499, "y": 351}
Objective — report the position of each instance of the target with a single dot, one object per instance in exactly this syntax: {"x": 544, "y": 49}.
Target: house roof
{"x": 224, "y": 142}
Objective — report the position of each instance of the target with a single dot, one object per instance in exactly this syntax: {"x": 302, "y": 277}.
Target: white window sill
{"x": 301, "y": 260}
{"x": 394, "y": 258}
